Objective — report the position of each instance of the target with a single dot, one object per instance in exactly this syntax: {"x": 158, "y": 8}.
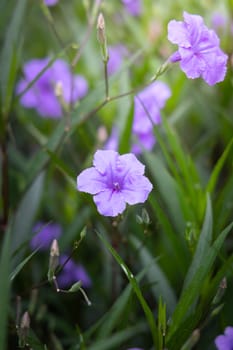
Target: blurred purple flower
{"x": 115, "y": 180}
{"x": 144, "y": 141}
{"x": 116, "y": 56}
{"x": 218, "y": 20}
{"x": 46, "y": 233}
{"x": 133, "y": 7}
{"x": 199, "y": 52}
{"x": 113, "y": 140}
{"x": 147, "y": 106}
{"x": 50, "y": 2}
{"x": 72, "y": 273}
{"x": 41, "y": 95}
{"x": 225, "y": 342}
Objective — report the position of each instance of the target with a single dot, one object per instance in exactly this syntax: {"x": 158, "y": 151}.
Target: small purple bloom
{"x": 113, "y": 140}
{"x": 115, "y": 180}
{"x": 45, "y": 234}
{"x": 133, "y": 7}
{"x": 72, "y": 273}
{"x": 116, "y": 56}
{"x": 218, "y": 21}
{"x": 41, "y": 95}
{"x": 225, "y": 342}
{"x": 147, "y": 106}
{"x": 50, "y": 2}
{"x": 199, "y": 52}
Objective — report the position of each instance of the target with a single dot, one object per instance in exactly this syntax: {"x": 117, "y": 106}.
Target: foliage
{"x": 161, "y": 272}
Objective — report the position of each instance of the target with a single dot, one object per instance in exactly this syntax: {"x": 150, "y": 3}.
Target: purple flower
{"x": 199, "y": 52}
{"x": 113, "y": 140}
{"x": 133, "y": 7}
{"x": 147, "y": 106}
{"x": 225, "y": 342}
{"x": 50, "y": 2}
{"x": 46, "y": 233}
{"x": 218, "y": 20}
{"x": 72, "y": 273}
{"x": 115, "y": 180}
{"x": 41, "y": 95}
{"x": 144, "y": 141}
{"x": 116, "y": 55}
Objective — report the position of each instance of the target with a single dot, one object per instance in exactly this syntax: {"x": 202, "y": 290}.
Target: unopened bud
{"x": 24, "y": 329}
{"x": 58, "y": 89}
{"x": 101, "y": 29}
{"x": 53, "y": 259}
{"x": 101, "y": 35}
{"x": 25, "y": 321}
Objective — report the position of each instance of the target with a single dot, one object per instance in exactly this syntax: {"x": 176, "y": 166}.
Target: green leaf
{"x": 114, "y": 341}
{"x": 8, "y": 59}
{"x": 5, "y": 286}
{"x": 217, "y": 169}
{"x": 148, "y": 313}
{"x": 168, "y": 188}
{"x": 21, "y": 265}
{"x": 75, "y": 287}
{"x": 113, "y": 317}
{"x": 203, "y": 244}
{"x": 194, "y": 288}
{"x": 161, "y": 286}
{"x": 25, "y": 214}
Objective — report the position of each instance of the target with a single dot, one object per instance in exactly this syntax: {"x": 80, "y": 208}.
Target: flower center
{"x": 116, "y": 186}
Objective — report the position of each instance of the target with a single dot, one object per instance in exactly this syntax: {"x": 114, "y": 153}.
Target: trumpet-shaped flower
{"x": 225, "y": 342}
{"x": 115, "y": 180}
{"x": 41, "y": 95}
{"x": 199, "y": 52}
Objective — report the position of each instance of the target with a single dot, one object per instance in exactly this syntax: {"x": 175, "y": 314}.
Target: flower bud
{"x": 23, "y": 329}
{"x": 53, "y": 259}
{"x": 101, "y": 35}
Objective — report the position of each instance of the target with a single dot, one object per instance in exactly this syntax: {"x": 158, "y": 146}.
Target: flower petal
{"x": 131, "y": 164}
{"x": 110, "y": 203}
{"x": 91, "y": 181}
{"x": 104, "y": 160}
{"x": 177, "y": 33}
{"x": 136, "y": 189}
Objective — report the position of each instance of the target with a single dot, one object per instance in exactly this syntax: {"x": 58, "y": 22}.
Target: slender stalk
{"x": 106, "y": 80}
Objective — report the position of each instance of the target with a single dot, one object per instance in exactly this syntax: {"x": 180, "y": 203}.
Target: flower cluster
{"x": 147, "y": 106}
{"x": 41, "y": 95}
{"x": 199, "y": 53}
{"x": 114, "y": 180}
{"x": 225, "y": 342}
{"x": 71, "y": 272}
